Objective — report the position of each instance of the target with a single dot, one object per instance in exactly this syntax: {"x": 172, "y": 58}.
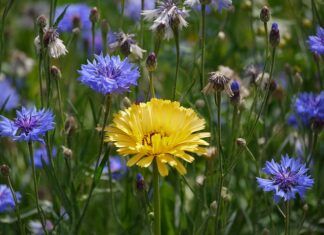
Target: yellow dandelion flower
{"x": 158, "y": 130}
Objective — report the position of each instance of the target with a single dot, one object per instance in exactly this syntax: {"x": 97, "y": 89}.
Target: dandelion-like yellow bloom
{"x": 159, "y": 130}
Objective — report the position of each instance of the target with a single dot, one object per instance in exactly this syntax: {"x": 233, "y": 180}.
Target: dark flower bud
{"x": 125, "y": 48}
{"x": 317, "y": 125}
{"x": 94, "y": 15}
{"x": 274, "y": 37}
{"x": 151, "y": 62}
{"x": 70, "y": 125}
{"x": 56, "y": 72}
{"x": 235, "y": 87}
{"x": 104, "y": 27}
{"x": 76, "y": 22}
{"x": 4, "y": 170}
{"x": 140, "y": 182}
{"x": 241, "y": 142}
{"x": 265, "y": 14}
{"x": 41, "y": 21}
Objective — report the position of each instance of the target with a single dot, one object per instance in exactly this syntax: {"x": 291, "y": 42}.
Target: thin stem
{"x": 157, "y": 44}
{"x": 122, "y": 13}
{"x": 142, "y": 22}
{"x": 60, "y": 101}
{"x": 287, "y": 218}
{"x": 151, "y": 85}
{"x": 176, "y": 39}
{"x": 234, "y": 129}
{"x": 203, "y": 42}
{"x": 157, "y": 205}
{"x": 319, "y": 73}
{"x": 314, "y": 9}
{"x": 93, "y": 185}
{"x": 312, "y": 146}
{"x": 220, "y": 186}
{"x": 93, "y": 34}
{"x": 31, "y": 153}
{"x": 21, "y": 228}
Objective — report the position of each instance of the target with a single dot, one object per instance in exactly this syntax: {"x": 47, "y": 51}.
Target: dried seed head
{"x": 151, "y": 62}
{"x": 67, "y": 153}
{"x": 41, "y": 21}
{"x": 211, "y": 152}
{"x": 200, "y": 103}
{"x": 56, "y": 72}
{"x": 4, "y": 169}
{"x": 218, "y": 82}
{"x": 241, "y": 142}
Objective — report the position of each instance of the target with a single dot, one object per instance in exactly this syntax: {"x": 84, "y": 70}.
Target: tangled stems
{"x": 94, "y": 183}
{"x": 176, "y": 38}
{"x": 31, "y": 153}
{"x": 157, "y": 205}
{"x": 203, "y": 35}
{"x": 287, "y": 218}
{"x": 21, "y": 228}
{"x": 219, "y": 192}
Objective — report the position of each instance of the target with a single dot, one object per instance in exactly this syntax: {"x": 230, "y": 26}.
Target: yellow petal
{"x": 163, "y": 170}
{"x": 146, "y": 161}
{"x": 134, "y": 159}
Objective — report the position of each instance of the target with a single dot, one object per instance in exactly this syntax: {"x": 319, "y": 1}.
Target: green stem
{"x": 203, "y": 42}
{"x": 176, "y": 38}
{"x": 234, "y": 129}
{"x": 287, "y": 218}
{"x": 312, "y": 146}
{"x": 219, "y": 192}
{"x": 314, "y": 10}
{"x": 60, "y": 101}
{"x": 31, "y": 153}
{"x": 93, "y": 34}
{"x": 151, "y": 85}
{"x": 21, "y": 228}
{"x": 93, "y": 185}
{"x": 157, "y": 44}
{"x": 142, "y": 22}
{"x": 122, "y": 13}
{"x": 319, "y": 73}
{"x": 157, "y": 205}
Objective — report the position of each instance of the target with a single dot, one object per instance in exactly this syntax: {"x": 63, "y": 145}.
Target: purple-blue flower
{"x": 220, "y": 4}
{"x": 309, "y": 108}
{"x": 36, "y": 228}
{"x": 41, "y": 153}
{"x": 109, "y": 74}
{"x": 7, "y": 202}
{"x": 117, "y": 166}
{"x": 286, "y": 179}
{"x": 29, "y": 125}
{"x": 8, "y": 95}
{"x": 74, "y": 15}
{"x": 316, "y": 43}
{"x": 133, "y": 8}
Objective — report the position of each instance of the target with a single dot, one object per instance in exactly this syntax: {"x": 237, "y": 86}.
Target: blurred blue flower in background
{"x": 117, "y": 166}
{"x": 7, "y": 202}
{"x": 286, "y": 179}
{"x": 35, "y": 227}
{"x": 316, "y": 43}
{"x": 41, "y": 153}
{"x": 8, "y": 95}
{"x": 29, "y": 125}
{"x": 133, "y": 8}
{"x": 76, "y": 15}
{"x": 109, "y": 74}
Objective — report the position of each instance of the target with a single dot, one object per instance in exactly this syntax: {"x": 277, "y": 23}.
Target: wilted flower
{"x": 9, "y": 97}
{"x": 286, "y": 179}
{"x": 133, "y": 8}
{"x": 29, "y": 125}
{"x": 36, "y": 228}
{"x": 76, "y": 15}
{"x": 127, "y": 45}
{"x": 41, "y": 153}
{"x": 52, "y": 42}
{"x": 150, "y": 131}
{"x": 109, "y": 74}
{"x": 7, "y": 202}
{"x": 167, "y": 16}
{"x": 316, "y": 43}
{"x": 218, "y": 82}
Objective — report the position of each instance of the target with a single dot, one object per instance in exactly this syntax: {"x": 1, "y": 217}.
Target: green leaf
{"x": 60, "y": 17}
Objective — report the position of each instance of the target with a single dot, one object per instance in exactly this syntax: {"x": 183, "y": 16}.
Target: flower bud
{"x": 76, "y": 22}
{"x": 151, "y": 62}
{"x": 274, "y": 37}
{"x": 126, "y": 102}
{"x": 140, "y": 183}
{"x": 213, "y": 208}
{"x": 67, "y": 153}
{"x": 305, "y": 208}
{"x": 70, "y": 125}
{"x": 235, "y": 87}
{"x": 241, "y": 142}
{"x": 56, "y": 72}
{"x": 41, "y": 21}
{"x": 4, "y": 169}
{"x": 200, "y": 103}
{"x": 265, "y": 14}
{"x": 94, "y": 15}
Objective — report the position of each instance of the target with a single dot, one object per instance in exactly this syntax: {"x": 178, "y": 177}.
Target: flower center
{"x": 286, "y": 180}
{"x": 26, "y": 124}
{"x": 148, "y": 138}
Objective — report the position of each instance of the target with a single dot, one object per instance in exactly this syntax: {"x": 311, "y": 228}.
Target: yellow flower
{"x": 158, "y": 130}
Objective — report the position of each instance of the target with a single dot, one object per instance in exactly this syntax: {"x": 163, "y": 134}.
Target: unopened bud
{"x": 67, "y": 153}
{"x": 70, "y": 125}
{"x": 235, "y": 87}
{"x": 305, "y": 208}
{"x": 265, "y": 14}
{"x": 274, "y": 37}
{"x": 94, "y": 15}
{"x": 241, "y": 142}
{"x": 213, "y": 208}
{"x": 140, "y": 183}
{"x": 126, "y": 102}
{"x": 200, "y": 103}
{"x": 56, "y": 72}
{"x": 151, "y": 62}
{"x": 41, "y": 21}
{"x": 4, "y": 170}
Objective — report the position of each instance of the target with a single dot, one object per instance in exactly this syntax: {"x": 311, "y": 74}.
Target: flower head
{"x": 36, "y": 228}
{"x": 127, "y": 45}
{"x": 41, "y": 153}
{"x": 109, "y": 74}
{"x": 76, "y": 15}
{"x": 168, "y": 16}
{"x": 117, "y": 166}
{"x": 309, "y": 108}
{"x": 286, "y": 179}
{"x": 29, "y": 125}
{"x": 7, "y": 202}
{"x": 316, "y": 43}
{"x": 9, "y": 97}
{"x": 150, "y": 131}
{"x": 218, "y": 82}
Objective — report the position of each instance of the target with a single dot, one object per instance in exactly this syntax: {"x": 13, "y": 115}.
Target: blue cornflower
{"x": 41, "y": 153}
{"x": 309, "y": 108}
{"x": 29, "y": 125}
{"x": 8, "y": 95}
{"x": 7, "y": 202}
{"x": 76, "y": 15}
{"x": 133, "y": 8}
{"x": 286, "y": 179}
{"x": 109, "y": 74}
{"x": 220, "y": 4}
{"x": 117, "y": 166}
{"x": 316, "y": 43}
